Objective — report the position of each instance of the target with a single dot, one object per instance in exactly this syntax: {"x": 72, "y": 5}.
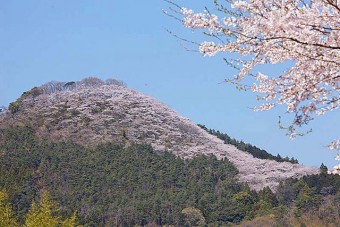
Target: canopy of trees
{"x": 41, "y": 214}
{"x": 57, "y": 86}
{"x": 112, "y": 184}
{"x": 251, "y": 149}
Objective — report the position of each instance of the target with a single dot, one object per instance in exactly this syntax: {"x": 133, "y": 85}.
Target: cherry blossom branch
{"x": 264, "y": 32}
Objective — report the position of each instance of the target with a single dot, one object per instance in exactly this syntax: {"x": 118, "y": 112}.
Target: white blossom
{"x": 90, "y": 115}
{"x": 270, "y": 32}
{"x": 335, "y": 170}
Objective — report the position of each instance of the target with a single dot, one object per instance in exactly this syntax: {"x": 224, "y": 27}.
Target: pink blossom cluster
{"x": 335, "y": 170}
{"x": 305, "y": 33}
{"x": 94, "y": 112}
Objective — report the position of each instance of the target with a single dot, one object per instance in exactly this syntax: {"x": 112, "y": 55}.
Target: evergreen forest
{"x": 115, "y": 184}
{"x": 251, "y": 149}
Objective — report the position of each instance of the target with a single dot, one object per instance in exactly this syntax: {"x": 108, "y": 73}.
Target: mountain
{"x": 90, "y": 112}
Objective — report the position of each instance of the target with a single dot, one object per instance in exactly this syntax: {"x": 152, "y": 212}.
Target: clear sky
{"x": 67, "y": 40}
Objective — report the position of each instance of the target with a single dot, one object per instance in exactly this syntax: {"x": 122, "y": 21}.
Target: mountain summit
{"x": 91, "y": 112}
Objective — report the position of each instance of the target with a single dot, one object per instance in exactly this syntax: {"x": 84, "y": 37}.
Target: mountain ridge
{"x": 91, "y": 113}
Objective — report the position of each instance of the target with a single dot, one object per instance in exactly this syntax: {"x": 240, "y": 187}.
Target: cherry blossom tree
{"x": 305, "y": 34}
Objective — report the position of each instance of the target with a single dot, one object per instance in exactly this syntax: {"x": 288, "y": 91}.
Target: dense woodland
{"x": 251, "y": 149}
{"x": 119, "y": 185}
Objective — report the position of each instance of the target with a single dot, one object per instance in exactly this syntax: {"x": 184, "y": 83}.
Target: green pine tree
{"x": 7, "y": 218}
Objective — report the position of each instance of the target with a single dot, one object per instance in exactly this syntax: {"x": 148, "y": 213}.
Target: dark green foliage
{"x": 115, "y": 185}
{"x": 255, "y": 151}
{"x": 307, "y": 199}
{"x": 312, "y": 196}
{"x": 323, "y": 169}
{"x": 111, "y": 184}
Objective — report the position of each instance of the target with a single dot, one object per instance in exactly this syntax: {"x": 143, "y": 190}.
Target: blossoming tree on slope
{"x": 261, "y": 32}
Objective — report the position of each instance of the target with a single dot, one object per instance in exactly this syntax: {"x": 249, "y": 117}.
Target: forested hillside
{"x": 90, "y": 111}
{"x": 251, "y": 149}
{"x": 119, "y": 185}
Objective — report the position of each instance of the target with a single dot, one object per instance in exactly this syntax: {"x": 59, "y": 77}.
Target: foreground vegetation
{"x": 40, "y": 214}
{"x": 119, "y": 185}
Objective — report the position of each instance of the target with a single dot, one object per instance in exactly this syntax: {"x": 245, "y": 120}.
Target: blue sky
{"x": 63, "y": 40}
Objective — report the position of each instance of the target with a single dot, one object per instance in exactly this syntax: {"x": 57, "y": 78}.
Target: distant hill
{"x": 117, "y": 157}
{"x": 91, "y": 111}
